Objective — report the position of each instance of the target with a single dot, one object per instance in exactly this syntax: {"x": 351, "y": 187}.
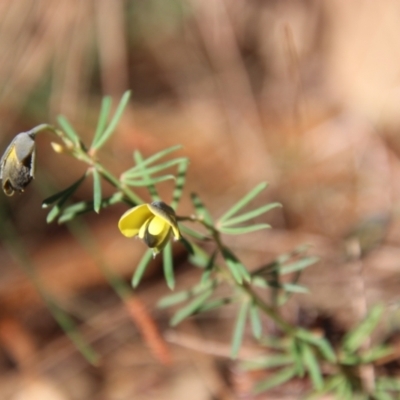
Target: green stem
{"x": 83, "y": 156}
{"x": 270, "y": 311}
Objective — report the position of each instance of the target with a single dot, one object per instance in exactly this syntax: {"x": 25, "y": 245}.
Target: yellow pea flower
{"x": 17, "y": 165}
{"x": 153, "y": 223}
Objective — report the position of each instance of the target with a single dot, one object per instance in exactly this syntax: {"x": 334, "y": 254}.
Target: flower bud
{"x": 17, "y": 165}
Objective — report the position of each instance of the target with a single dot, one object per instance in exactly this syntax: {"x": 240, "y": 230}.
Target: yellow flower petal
{"x": 156, "y": 233}
{"x": 143, "y": 228}
{"x": 131, "y": 222}
{"x": 165, "y": 212}
{"x": 157, "y": 225}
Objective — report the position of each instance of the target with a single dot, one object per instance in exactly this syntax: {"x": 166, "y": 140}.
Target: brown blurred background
{"x": 302, "y": 94}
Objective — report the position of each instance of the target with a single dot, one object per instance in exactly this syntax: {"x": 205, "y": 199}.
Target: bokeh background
{"x": 302, "y": 94}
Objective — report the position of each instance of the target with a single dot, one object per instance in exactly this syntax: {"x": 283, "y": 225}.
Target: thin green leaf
{"x": 187, "y": 244}
{"x": 179, "y": 184}
{"x": 155, "y": 157}
{"x": 193, "y": 233}
{"x": 209, "y": 268}
{"x": 137, "y": 276}
{"x": 68, "y": 326}
{"x": 311, "y": 363}
{"x": 255, "y": 321}
{"x": 200, "y": 258}
{"x": 12, "y": 242}
{"x": 175, "y": 298}
{"x": 259, "y": 282}
{"x": 294, "y": 288}
{"x": 148, "y": 181}
{"x": 239, "y": 329}
{"x": 376, "y": 353}
{"x": 96, "y": 191}
{"x": 55, "y": 211}
{"x": 201, "y": 210}
{"x": 140, "y": 170}
{"x": 243, "y": 202}
{"x": 103, "y": 117}
{"x": 184, "y": 295}
{"x": 69, "y": 190}
{"x": 191, "y": 308}
{"x": 70, "y": 212}
{"x": 279, "y": 378}
{"x": 275, "y": 343}
{"x": 344, "y": 390}
{"x": 321, "y": 343}
{"x": 68, "y": 129}
{"x": 382, "y": 396}
{"x": 168, "y": 266}
{"x": 329, "y": 387}
{"x": 251, "y": 214}
{"x": 114, "y": 121}
{"x": 237, "y": 269}
{"x": 265, "y": 362}
{"x": 355, "y": 338}
{"x": 212, "y": 305}
{"x": 386, "y": 383}
{"x": 244, "y": 229}
{"x": 298, "y": 265}
{"x": 296, "y": 353}
{"x": 150, "y": 186}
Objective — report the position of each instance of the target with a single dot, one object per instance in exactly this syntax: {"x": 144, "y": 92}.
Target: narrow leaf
{"x": 137, "y": 276}
{"x": 155, "y": 157}
{"x": 269, "y": 361}
{"x": 209, "y": 268}
{"x": 55, "y": 211}
{"x": 173, "y": 299}
{"x": 187, "y": 244}
{"x": 179, "y": 297}
{"x": 298, "y": 265}
{"x": 68, "y": 129}
{"x": 243, "y": 202}
{"x": 294, "y": 288}
{"x": 376, "y": 353}
{"x": 251, "y": 214}
{"x": 114, "y": 121}
{"x": 140, "y": 170}
{"x": 179, "y": 184}
{"x": 193, "y": 233}
{"x": 96, "y": 191}
{"x": 311, "y": 363}
{"x": 274, "y": 343}
{"x": 255, "y": 321}
{"x": 68, "y": 190}
{"x": 212, "y": 305}
{"x": 103, "y": 117}
{"x": 382, "y": 396}
{"x": 200, "y": 258}
{"x": 201, "y": 210}
{"x": 239, "y": 329}
{"x": 168, "y": 266}
{"x": 243, "y": 229}
{"x": 70, "y": 212}
{"x": 148, "y": 181}
{"x": 190, "y": 309}
{"x": 238, "y": 270}
{"x": 386, "y": 383}
{"x": 150, "y": 186}
{"x": 68, "y": 326}
{"x": 355, "y": 338}
{"x": 321, "y": 343}
{"x": 279, "y": 378}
